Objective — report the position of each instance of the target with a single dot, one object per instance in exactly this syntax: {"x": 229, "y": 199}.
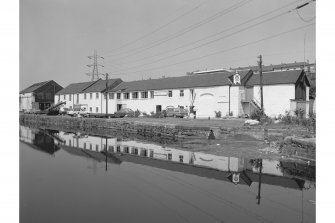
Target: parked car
{"x": 78, "y": 110}
{"x": 179, "y": 112}
{"x": 123, "y": 112}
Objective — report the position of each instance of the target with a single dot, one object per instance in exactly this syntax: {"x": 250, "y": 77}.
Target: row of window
{"x": 134, "y": 151}
{"x": 135, "y": 95}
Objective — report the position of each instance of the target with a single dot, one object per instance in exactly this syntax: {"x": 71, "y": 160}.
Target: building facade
{"x": 39, "y": 96}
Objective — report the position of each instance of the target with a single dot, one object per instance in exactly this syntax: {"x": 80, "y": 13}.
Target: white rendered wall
{"x": 207, "y": 100}
{"x": 26, "y": 101}
{"x": 276, "y": 98}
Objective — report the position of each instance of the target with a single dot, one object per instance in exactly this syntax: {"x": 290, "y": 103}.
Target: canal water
{"x": 73, "y": 177}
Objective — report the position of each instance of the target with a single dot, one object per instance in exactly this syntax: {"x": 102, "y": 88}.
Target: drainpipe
{"x": 229, "y": 101}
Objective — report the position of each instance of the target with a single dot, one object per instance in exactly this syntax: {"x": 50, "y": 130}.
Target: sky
{"x": 141, "y": 39}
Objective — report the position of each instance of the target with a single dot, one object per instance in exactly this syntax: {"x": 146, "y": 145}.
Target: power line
{"x": 183, "y": 31}
{"x": 158, "y": 28}
{"x": 210, "y": 42}
{"x": 207, "y": 43}
{"x": 226, "y": 50}
{"x": 223, "y": 31}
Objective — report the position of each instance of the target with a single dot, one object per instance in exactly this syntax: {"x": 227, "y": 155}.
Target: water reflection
{"x": 241, "y": 172}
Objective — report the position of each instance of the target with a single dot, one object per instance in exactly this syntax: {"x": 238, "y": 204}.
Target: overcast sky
{"x": 151, "y": 38}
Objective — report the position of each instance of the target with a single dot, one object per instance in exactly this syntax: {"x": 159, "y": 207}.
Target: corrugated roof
{"x": 100, "y": 85}
{"x": 190, "y": 81}
{"x": 33, "y": 87}
{"x": 75, "y": 88}
{"x": 271, "y": 67}
{"x": 280, "y": 77}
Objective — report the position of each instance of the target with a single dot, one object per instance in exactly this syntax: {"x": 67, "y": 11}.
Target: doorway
{"x": 158, "y": 108}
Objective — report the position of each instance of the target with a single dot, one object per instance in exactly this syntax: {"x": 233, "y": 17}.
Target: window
{"x": 151, "y": 94}
{"x": 118, "y": 95}
{"x": 58, "y": 98}
{"x": 105, "y": 147}
{"x": 111, "y": 95}
{"x": 96, "y": 109}
{"x": 170, "y": 94}
{"x": 135, "y": 95}
{"x": 70, "y": 144}
{"x": 77, "y": 98}
{"x": 91, "y": 95}
{"x": 90, "y": 109}
{"x": 126, "y": 149}
{"x": 70, "y": 107}
{"x": 70, "y": 98}
{"x": 84, "y": 145}
{"x": 181, "y": 158}
{"x": 90, "y": 146}
{"x": 64, "y": 97}
{"x": 181, "y": 94}
{"x": 96, "y": 147}
{"x": 170, "y": 156}
{"x": 110, "y": 149}
{"x": 144, "y": 94}
{"x": 118, "y": 149}
{"x": 97, "y": 95}
{"x": 126, "y": 95}
{"x": 85, "y": 96}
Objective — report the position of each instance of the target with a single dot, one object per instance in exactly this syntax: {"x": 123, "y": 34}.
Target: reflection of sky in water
{"x": 162, "y": 184}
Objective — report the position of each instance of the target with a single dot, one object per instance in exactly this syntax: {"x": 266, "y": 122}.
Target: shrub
{"x": 257, "y": 115}
{"x": 137, "y": 113}
{"x": 217, "y": 114}
{"x": 299, "y": 112}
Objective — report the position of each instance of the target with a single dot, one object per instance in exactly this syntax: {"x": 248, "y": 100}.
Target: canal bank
{"x": 232, "y": 136}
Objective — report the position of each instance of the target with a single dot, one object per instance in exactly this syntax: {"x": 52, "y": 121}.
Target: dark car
{"x": 124, "y": 112}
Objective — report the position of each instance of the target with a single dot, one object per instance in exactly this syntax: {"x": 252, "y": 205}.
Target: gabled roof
{"x": 86, "y": 87}
{"x": 280, "y": 77}
{"x": 33, "y": 87}
{"x": 100, "y": 85}
{"x": 220, "y": 78}
{"x": 75, "y": 88}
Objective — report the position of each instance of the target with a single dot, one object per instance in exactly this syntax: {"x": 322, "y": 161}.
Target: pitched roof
{"x": 75, "y": 87}
{"x": 100, "y": 85}
{"x": 280, "y": 77}
{"x": 271, "y": 67}
{"x": 33, "y": 87}
{"x": 220, "y": 78}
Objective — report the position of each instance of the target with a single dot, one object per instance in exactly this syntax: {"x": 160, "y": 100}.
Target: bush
{"x": 299, "y": 112}
{"x": 217, "y": 114}
{"x": 258, "y": 115}
{"x": 137, "y": 113}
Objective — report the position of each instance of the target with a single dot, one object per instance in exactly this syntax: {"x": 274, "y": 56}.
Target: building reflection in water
{"x": 239, "y": 171}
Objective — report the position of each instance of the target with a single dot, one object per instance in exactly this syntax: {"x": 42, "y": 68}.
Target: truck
{"x": 178, "y": 112}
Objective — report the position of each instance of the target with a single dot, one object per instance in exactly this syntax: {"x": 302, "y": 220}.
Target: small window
{"x": 118, "y": 95}
{"x": 152, "y": 94}
{"x": 85, "y": 96}
{"x": 70, "y": 98}
{"x": 144, "y": 94}
{"x": 118, "y": 149}
{"x": 111, "y": 95}
{"x": 181, "y": 93}
{"x": 170, "y": 156}
{"x": 181, "y": 158}
{"x": 126, "y": 95}
{"x": 135, "y": 95}
{"x": 151, "y": 153}
{"x": 110, "y": 149}
{"x": 96, "y": 147}
{"x": 90, "y": 109}
{"x": 170, "y": 94}
{"x": 70, "y": 143}
{"x": 126, "y": 149}
{"x": 90, "y": 146}
{"x": 91, "y": 95}
{"x": 84, "y": 145}
{"x": 105, "y": 147}
{"x": 96, "y": 109}
{"x": 97, "y": 95}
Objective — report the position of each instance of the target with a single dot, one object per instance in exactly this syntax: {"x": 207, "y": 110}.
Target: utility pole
{"x": 106, "y": 93}
{"x": 95, "y": 71}
{"x": 261, "y": 81}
